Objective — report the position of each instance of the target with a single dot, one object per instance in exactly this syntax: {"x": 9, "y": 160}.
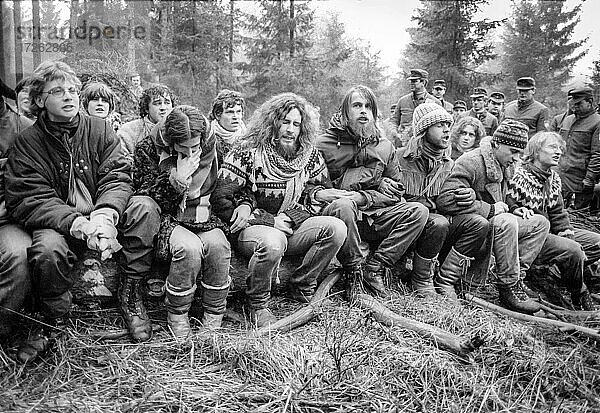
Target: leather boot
{"x": 373, "y": 273}
{"x": 583, "y": 301}
{"x": 515, "y": 298}
{"x": 134, "y": 311}
{"x": 262, "y": 317}
{"x": 179, "y": 325}
{"x": 422, "y": 276}
{"x": 41, "y": 339}
{"x": 211, "y": 321}
{"x": 453, "y": 268}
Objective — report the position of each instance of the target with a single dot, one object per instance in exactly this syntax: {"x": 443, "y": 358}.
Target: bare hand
{"x": 567, "y": 233}
{"x": 391, "y": 188}
{"x": 464, "y": 197}
{"x": 284, "y": 224}
{"x": 523, "y": 212}
{"x": 357, "y": 197}
{"x": 331, "y": 194}
{"x": 188, "y": 165}
{"x": 500, "y": 208}
{"x": 240, "y": 217}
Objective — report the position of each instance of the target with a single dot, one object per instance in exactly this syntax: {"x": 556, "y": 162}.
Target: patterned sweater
{"x": 539, "y": 191}
{"x": 241, "y": 182}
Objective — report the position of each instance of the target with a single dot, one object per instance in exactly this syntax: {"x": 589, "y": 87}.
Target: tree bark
{"x": 18, "y": 42}
{"x": 37, "y": 56}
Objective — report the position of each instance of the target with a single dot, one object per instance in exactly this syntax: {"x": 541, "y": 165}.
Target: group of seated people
{"x": 179, "y": 188}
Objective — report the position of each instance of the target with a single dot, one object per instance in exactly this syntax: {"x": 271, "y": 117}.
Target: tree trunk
{"x": 231, "y": 21}
{"x": 18, "y": 43}
{"x": 37, "y": 56}
{"x": 2, "y": 60}
{"x": 292, "y": 29}
{"x": 73, "y": 14}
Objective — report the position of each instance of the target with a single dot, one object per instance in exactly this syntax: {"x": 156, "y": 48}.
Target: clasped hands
{"x": 99, "y": 232}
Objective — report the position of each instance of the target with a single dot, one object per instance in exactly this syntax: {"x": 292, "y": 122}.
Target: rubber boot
{"x": 422, "y": 276}
{"x": 179, "y": 325}
{"x": 211, "y": 322}
{"x": 214, "y": 301}
{"x": 453, "y": 268}
{"x": 133, "y": 309}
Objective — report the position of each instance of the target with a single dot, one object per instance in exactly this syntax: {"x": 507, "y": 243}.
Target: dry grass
{"x": 342, "y": 362}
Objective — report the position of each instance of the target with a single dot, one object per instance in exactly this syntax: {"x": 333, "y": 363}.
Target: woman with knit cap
{"x": 537, "y": 188}
{"x": 178, "y": 168}
{"x": 425, "y": 165}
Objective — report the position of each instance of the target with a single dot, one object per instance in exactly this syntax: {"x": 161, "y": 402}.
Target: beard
{"x": 363, "y": 131}
{"x": 285, "y": 150}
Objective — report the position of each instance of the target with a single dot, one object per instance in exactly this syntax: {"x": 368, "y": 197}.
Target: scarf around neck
{"x": 63, "y": 131}
{"x": 228, "y": 137}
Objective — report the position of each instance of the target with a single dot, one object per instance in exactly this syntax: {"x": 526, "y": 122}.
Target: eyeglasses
{"x": 59, "y": 92}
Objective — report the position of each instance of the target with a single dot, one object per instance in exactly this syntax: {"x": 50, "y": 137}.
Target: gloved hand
{"x": 81, "y": 228}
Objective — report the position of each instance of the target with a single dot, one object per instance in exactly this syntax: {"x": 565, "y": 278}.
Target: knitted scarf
{"x": 277, "y": 169}
{"x": 227, "y": 137}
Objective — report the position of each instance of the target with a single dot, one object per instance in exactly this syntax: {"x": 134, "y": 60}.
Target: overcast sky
{"x": 383, "y": 23}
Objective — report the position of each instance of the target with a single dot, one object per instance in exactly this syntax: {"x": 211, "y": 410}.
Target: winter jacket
{"x": 479, "y": 170}
{"x": 359, "y": 169}
{"x": 581, "y": 159}
{"x": 540, "y": 192}
{"x": 533, "y": 114}
{"x": 37, "y": 178}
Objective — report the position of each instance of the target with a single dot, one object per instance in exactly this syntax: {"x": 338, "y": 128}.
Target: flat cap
{"x": 525, "y": 83}
{"x": 440, "y": 83}
{"x": 578, "y": 94}
{"x": 418, "y": 74}
{"x": 479, "y": 92}
{"x": 460, "y": 104}
{"x": 497, "y": 96}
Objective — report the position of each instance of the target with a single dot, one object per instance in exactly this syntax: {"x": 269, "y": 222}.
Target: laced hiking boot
{"x": 453, "y": 269}
{"x": 211, "y": 322}
{"x": 583, "y": 301}
{"x": 179, "y": 325}
{"x": 422, "y": 276}
{"x": 297, "y": 294}
{"x": 515, "y": 298}
{"x": 372, "y": 276}
{"x": 40, "y": 340}
{"x": 134, "y": 311}
{"x": 354, "y": 282}
{"x": 262, "y": 317}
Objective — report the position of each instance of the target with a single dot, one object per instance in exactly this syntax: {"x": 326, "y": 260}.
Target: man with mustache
{"x": 367, "y": 193}
{"x": 69, "y": 184}
{"x": 526, "y": 109}
{"x": 517, "y": 237}
{"x": 266, "y": 189}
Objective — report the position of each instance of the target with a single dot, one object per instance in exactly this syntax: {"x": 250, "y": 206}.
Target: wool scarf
{"x": 228, "y": 137}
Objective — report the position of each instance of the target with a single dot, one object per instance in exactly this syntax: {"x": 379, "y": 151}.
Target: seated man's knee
{"x": 185, "y": 245}
{"x": 419, "y": 211}
{"x": 143, "y": 208}
{"x": 506, "y": 222}
{"x": 343, "y": 208}
{"x": 478, "y": 225}
{"x": 438, "y": 226}
{"x": 48, "y": 247}
{"x": 540, "y": 222}
{"x": 217, "y": 243}
{"x": 337, "y": 230}
{"x": 271, "y": 247}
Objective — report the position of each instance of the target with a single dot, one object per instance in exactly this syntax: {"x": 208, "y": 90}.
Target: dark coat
{"x": 37, "y": 178}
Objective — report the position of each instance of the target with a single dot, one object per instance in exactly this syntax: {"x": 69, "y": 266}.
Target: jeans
{"x": 590, "y": 242}
{"x": 517, "y": 243}
{"x": 206, "y": 253}
{"x": 568, "y": 255}
{"x": 318, "y": 238}
{"x": 51, "y": 256}
{"x": 396, "y": 227}
{"x": 15, "y": 282}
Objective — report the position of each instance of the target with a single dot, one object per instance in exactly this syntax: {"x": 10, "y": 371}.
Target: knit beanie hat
{"x": 512, "y": 133}
{"x": 428, "y": 114}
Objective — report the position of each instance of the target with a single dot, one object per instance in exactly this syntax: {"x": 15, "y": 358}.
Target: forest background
{"x": 265, "y": 47}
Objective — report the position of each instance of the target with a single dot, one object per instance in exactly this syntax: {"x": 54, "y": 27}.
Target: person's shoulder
{"x": 539, "y": 105}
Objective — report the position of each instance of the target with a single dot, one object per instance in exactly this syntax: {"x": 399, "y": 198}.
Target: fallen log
{"x": 561, "y": 325}
{"x": 441, "y": 338}
{"x": 305, "y": 314}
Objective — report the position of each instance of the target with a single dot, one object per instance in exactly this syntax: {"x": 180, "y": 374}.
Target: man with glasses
{"x": 69, "y": 184}
{"x": 406, "y": 105}
{"x": 439, "y": 90}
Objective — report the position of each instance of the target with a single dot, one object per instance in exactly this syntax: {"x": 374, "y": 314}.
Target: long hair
{"x": 224, "y": 100}
{"x": 537, "y": 141}
{"x": 47, "y": 72}
{"x": 95, "y": 90}
{"x": 366, "y": 93}
{"x": 151, "y": 93}
{"x": 460, "y": 125}
{"x": 263, "y": 126}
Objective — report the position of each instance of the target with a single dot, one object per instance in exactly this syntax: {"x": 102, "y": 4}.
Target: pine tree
{"x": 450, "y": 44}
{"x": 595, "y": 79}
{"x": 538, "y": 42}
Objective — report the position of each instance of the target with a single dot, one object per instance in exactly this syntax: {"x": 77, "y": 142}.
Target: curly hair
{"x": 224, "y": 100}
{"x": 95, "y": 90}
{"x": 47, "y": 72}
{"x": 152, "y": 93}
{"x": 537, "y": 141}
{"x": 263, "y": 127}
{"x": 460, "y": 125}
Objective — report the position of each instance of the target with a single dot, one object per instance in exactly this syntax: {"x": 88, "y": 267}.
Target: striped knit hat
{"x": 512, "y": 133}
{"x": 428, "y": 114}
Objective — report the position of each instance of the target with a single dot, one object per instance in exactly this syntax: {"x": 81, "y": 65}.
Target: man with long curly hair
{"x": 368, "y": 194}
{"x": 266, "y": 190}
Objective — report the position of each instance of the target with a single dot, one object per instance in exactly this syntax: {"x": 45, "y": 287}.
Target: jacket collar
{"x": 493, "y": 170}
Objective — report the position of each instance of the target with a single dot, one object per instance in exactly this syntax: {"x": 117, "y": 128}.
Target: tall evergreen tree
{"x": 538, "y": 42}
{"x": 450, "y": 44}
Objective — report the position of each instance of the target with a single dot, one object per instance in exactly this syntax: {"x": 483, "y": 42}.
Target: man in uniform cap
{"x": 459, "y": 109}
{"x": 496, "y": 105}
{"x": 479, "y": 111}
{"x": 406, "y": 105}
{"x": 579, "y": 166}
{"x": 526, "y": 109}
{"x": 439, "y": 89}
